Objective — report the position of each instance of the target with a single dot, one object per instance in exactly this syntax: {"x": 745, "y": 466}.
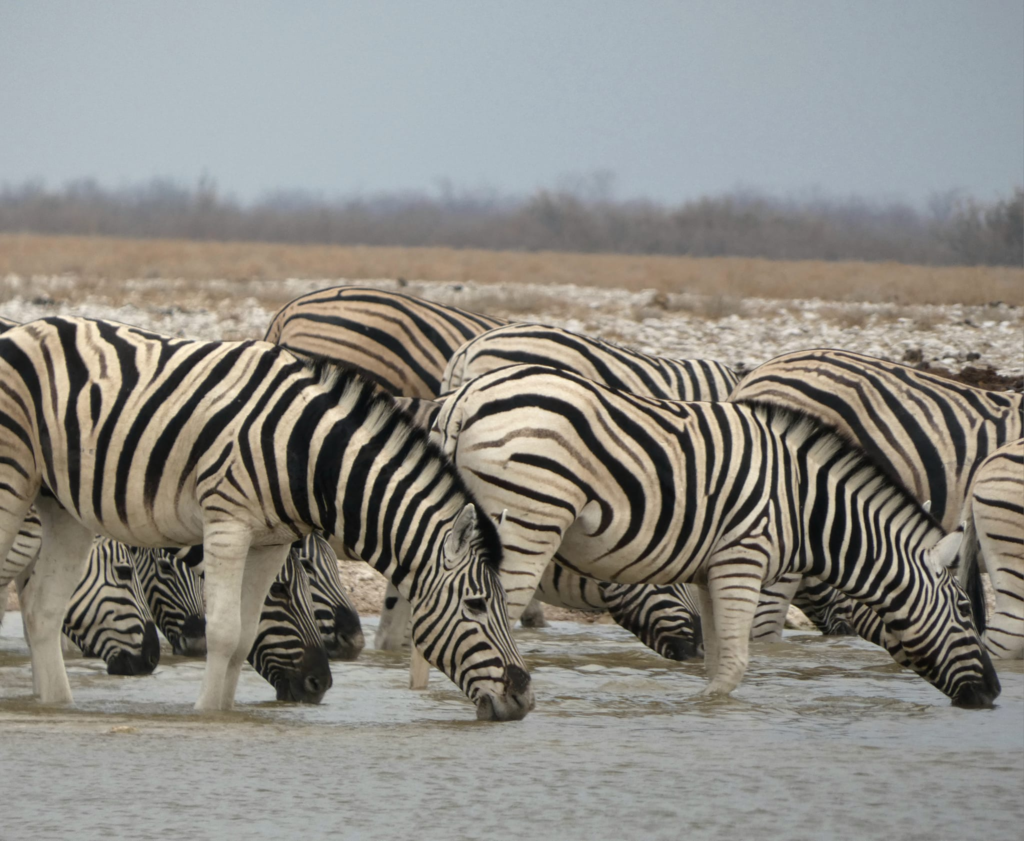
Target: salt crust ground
{"x": 741, "y": 334}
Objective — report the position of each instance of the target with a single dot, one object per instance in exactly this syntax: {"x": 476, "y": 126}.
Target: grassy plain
{"x": 96, "y": 259}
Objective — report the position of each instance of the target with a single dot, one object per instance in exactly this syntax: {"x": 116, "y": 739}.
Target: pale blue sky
{"x": 887, "y": 100}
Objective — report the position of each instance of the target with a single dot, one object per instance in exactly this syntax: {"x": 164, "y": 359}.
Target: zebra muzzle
{"x": 348, "y": 640}
{"x": 309, "y": 681}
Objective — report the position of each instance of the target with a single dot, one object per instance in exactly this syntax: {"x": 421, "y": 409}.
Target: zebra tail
{"x": 970, "y": 570}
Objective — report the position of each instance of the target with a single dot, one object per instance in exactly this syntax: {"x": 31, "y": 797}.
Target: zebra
{"x": 337, "y": 618}
{"x": 925, "y": 431}
{"x": 104, "y": 618}
{"x": 361, "y": 328}
{"x": 628, "y": 488}
{"x": 400, "y": 342}
{"x": 173, "y": 591}
{"x": 665, "y": 618}
{"x": 994, "y": 534}
{"x": 287, "y": 652}
{"x": 244, "y": 448}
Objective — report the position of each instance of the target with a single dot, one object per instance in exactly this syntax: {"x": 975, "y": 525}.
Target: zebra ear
{"x": 456, "y": 544}
{"x": 944, "y": 553}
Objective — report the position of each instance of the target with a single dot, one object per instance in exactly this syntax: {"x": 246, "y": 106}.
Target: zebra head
{"x": 173, "y": 591}
{"x": 460, "y": 622}
{"x": 943, "y": 645}
{"x": 105, "y": 617}
{"x": 665, "y": 618}
{"x": 289, "y": 652}
{"x": 338, "y": 620}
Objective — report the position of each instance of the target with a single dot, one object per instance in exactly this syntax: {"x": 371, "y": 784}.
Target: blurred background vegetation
{"x": 954, "y": 230}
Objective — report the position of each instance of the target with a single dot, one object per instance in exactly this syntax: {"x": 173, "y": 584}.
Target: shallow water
{"x": 826, "y": 738}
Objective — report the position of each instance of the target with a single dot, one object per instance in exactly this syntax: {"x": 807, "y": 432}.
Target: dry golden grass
{"x": 728, "y": 280}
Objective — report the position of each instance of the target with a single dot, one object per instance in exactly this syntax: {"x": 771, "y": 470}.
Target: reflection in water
{"x": 826, "y": 738}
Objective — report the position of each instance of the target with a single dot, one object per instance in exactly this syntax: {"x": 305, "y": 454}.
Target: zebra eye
{"x": 307, "y": 565}
{"x": 164, "y": 567}
{"x": 476, "y": 606}
{"x": 278, "y": 589}
{"x": 123, "y": 572}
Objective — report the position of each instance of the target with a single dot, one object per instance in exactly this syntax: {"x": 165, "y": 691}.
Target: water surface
{"x": 825, "y": 739}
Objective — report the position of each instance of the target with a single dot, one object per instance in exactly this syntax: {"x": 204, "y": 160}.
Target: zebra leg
{"x": 224, "y": 556}
{"x": 62, "y": 559}
{"x": 261, "y": 567}
{"x": 393, "y": 630}
{"x": 707, "y": 623}
{"x": 533, "y": 616}
{"x": 734, "y": 586}
{"x": 770, "y": 616}
{"x": 1004, "y": 558}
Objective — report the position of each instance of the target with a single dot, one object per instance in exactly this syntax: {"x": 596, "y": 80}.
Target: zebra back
{"x": 603, "y": 362}
{"x": 338, "y": 620}
{"x": 928, "y": 432}
{"x": 400, "y": 342}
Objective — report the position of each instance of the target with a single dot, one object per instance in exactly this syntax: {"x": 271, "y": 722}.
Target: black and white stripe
{"x": 105, "y": 617}
{"x": 173, "y": 591}
{"x": 241, "y": 447}
{"x": 994, "y": 535}
{"x": 665, "y": 618}
{"x": 337, "y": 618}
{"x": 603, "y": 362}
{"x": 926, "y": 431}
{"x": 729, "y": 496}
{"x": 288, "y": 650}
{"x": 400, "y": 342}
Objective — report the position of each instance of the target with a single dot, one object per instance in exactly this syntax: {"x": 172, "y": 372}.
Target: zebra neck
{"x": 862, "y": 533}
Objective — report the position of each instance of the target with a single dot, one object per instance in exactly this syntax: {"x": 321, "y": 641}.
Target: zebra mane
{"x": 810, "y": 430}
{"x": 381, "y": 409}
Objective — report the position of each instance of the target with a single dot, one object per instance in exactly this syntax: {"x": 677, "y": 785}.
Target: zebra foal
{"x": 240, "y": 447}
{"x": 729, "y": 496}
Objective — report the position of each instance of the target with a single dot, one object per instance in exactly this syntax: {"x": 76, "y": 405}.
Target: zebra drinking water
{"x": 242, "y": 448}
{"x": 105, "y": 617}
{"x": 729, "y": 496}
{"x": 928, "y": 432}
{"x": 337, "y": 618}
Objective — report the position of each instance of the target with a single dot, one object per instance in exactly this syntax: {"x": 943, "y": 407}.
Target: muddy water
{"x": 826, "y": 739}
